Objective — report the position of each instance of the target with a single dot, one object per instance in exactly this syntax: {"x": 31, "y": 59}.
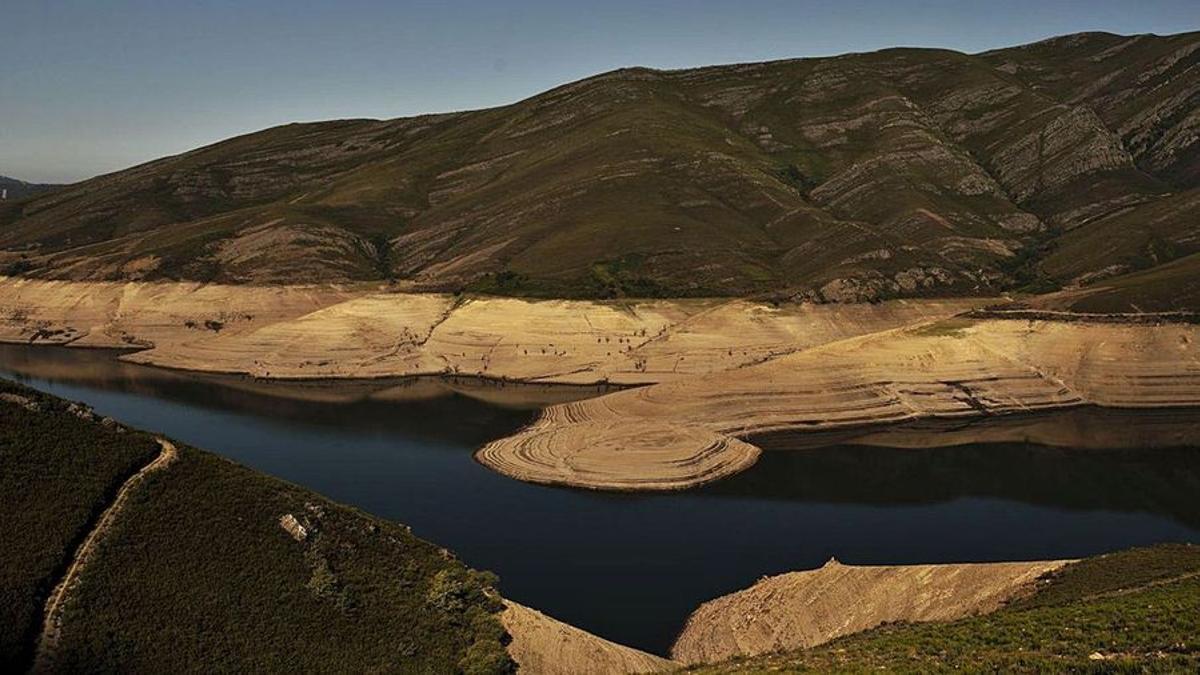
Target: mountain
{"x": 859, "y": 177}
{"x": 13, "y": 189}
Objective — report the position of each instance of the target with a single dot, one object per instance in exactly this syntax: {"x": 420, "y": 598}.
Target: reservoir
{"x": 631, "y": 567}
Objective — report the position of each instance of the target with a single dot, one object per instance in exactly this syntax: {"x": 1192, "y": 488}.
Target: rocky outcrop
{"x": 293, "y": 527}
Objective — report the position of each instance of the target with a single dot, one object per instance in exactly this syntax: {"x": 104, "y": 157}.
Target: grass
{"x": 1133, "y": 611}
{"x": 953, "y": 327}
{"x": 197, "y": 573}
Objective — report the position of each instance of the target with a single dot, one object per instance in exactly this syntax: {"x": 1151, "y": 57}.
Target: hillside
{"x": 18, "y": 189}
{"x": 860, "y": 177}
{"x": 207, "y": 562}
{"x": 49, "y": 500}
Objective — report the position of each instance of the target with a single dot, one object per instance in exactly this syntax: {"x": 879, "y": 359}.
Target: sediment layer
{"x": 309, "y": 332}
{"x": 805, "y": 609}
{"x": 545, "y": 646}
{"x": 683, "y": 433}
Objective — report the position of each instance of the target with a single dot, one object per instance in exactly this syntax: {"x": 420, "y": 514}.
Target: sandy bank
{"x": 683, "y": 433}
{"x": 545, "y": 646}
{"x": 804, "y": 609}
{"x": 308, "y": 332}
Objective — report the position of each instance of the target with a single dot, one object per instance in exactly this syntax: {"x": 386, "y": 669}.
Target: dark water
{"x": 631, "y": 567}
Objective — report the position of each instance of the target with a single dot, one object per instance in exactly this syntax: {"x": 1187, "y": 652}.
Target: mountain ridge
{"x": 902, "y": 172}
{"x": 18, "y": 189}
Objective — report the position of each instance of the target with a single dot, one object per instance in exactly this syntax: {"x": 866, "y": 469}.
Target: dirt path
{"x": 52, "y": 616}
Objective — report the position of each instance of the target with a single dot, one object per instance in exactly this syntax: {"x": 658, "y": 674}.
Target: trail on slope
{"x": 56, "y": 602}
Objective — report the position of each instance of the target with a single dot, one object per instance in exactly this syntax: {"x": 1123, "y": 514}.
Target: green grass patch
{"x": 953, "y": 327}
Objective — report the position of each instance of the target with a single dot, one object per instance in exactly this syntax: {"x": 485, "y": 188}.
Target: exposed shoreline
{"x": 803, "y": 609}
{"x": 721, "y": 374}
{"x": 307, "y": 333}
{"x": 677, "y": 435}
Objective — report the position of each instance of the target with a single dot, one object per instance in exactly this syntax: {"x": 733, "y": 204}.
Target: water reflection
{"x": 1164, "y": 481}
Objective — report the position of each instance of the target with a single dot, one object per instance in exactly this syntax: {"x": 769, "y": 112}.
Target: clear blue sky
{"x": 91, "y": 87}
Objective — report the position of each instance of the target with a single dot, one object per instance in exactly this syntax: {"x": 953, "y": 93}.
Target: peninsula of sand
{"x": 727, "y": 377}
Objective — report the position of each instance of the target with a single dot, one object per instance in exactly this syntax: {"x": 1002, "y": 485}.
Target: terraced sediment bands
{"x": 805, "y": 609}
{"x": 303, "y": 332}
{"x": 953, "y": 369}
{"x": 545, "y": 646}
{"x": 651, "y": 457}
{"x": 113, "y": 314}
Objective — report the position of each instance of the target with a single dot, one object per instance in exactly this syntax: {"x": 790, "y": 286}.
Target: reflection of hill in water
{"x": 1163, "y": 481}
{"x": 462, "y": 413}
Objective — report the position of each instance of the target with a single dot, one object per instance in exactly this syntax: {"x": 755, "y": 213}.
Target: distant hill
{"x": 897, "y": 173}
{"x": 12, "y": 188}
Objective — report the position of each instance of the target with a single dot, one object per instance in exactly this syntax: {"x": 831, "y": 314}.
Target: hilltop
{"x": 904, "y": 172}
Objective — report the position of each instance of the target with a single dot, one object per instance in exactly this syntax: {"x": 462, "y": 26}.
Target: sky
{"x": 89, "y": 87}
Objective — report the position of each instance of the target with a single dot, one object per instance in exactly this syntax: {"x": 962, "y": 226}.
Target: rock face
{"x": 901, "y": 173}
{"x": 958, "y": 369}
{"x": 805, "y": 609}
{"x": 293, "y": 527}
{"x": 545, "y": 646}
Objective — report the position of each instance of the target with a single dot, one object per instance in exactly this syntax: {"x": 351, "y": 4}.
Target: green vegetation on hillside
{"x": 1133, "y": 611}
{"x": 58, "y": 470}
{"x": 198, "y": 572}
{"x": 1171, "y": 287}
